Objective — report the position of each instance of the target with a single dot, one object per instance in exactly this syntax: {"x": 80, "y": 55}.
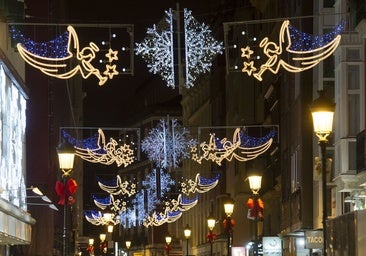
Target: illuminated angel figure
{"x": 77, "y": 61}
{"x": 239, "y": 148}
{"x": 199, "y": 184}
{"x": 107, "y": 153}
{"x": 296, "y": 60}
{"x": 119, "y": 187}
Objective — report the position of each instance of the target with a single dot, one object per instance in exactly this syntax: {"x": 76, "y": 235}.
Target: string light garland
{"x": 303, "y": 51}
{"x": 242, "y": 148}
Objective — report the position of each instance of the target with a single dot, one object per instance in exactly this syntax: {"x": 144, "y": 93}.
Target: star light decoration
{"x": 242, "y": 147}
{"x": 97, "y": 150}
{"x": 157, "y": 49}
{"x": 168, "y": 144}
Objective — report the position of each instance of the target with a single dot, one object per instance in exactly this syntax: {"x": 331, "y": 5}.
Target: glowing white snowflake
{"x": 157, "y": 49}
{"x": 200, "y": 48}
{"x": 168, "y": 144}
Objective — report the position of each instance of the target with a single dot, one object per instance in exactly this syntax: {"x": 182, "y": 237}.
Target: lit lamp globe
{"x": 102, "y": 237}
{"x": 255, "y": 183}
{"x": 66, "y": 154}
{"x": 168, "y": 239}
{"x": 187, "y": 232}
{"x": 322, "y": 110}
{"x": 128, "y": 244}
{"x": 229, "y": 207}
{"x": 211, "y": 221}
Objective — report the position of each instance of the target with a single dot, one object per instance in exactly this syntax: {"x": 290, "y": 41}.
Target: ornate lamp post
{"x": 168, "y": 240}
{"x": 229, "y": 209}
{"x": 322, "y": 110}
{"x": 211, "y": 221}
{"x": 103, "y": 246}
{"x": 66, "y": 156}
{"x": 187, "y": 235}
{"x": 90, "y": 248}
{"x": 128, "y": 245}
{"x": 255, "y": 183}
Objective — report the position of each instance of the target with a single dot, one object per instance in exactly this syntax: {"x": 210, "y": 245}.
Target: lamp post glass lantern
{"x": 322, "y": 110}
{"x": 229, "y": 209}
{"x": 168, "y": 240}
{"x": 187, "y": 235}
{"x": 128, "y": 245}
{"x": 211, "y": 221}
{"x": 255, "y": 184}
{"x": 66, "y": 154}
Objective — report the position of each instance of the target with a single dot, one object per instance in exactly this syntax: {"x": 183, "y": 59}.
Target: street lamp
{"x": 322, "y": 110}
{"x": 229, "y": 209}
{"x": 211, "y": 221}
{"x": 187, "y": 235}
{"x": 128, "y": 245}
{"x": 90, "y": 248}
{"x": 66, "y": 156}
{"x": 168, "y": 240}
{"x": 103, "y": 245}
{"x": 255, "y": 184}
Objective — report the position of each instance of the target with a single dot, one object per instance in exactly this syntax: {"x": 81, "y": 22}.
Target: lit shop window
{"x": 12, "y": 141}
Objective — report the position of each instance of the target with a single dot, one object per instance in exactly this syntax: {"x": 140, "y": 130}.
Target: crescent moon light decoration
{"x": 292, "y": 42}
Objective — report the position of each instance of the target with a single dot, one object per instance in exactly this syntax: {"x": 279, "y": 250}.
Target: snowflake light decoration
{"x": 200, "y": 48}
{"x": 157, "y": 49}
{"x": 167, "y": 144}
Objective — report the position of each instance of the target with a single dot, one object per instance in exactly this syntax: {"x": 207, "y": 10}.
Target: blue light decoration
{"x": 157, "y": 49}
{"x": 90, "y": 142}
{"x": 168, "y": 144}
{"x": 302, "y": 41}
{"x": 200, "y": 48}
{"x": 56, "y": 48}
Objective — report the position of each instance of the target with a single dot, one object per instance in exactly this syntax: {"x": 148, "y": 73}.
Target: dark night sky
{"x": 110, "y": 105}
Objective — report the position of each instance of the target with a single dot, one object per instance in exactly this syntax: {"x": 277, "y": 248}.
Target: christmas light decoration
{"x": 200, "y": 48}
{"x": 98, "y": 218}
{"x": 119, "y": 187}
{"x": 157, "y": 49}
{"x": 102, "y": 152}
{"x": 242, "y": 148}
{"x": 199, "y": 185}
{"x": 64, "y": 66}
{"x": 167, "y": 144}
{"x": 173, "y": 211}
{"x": 56, "y": 48}
{"x": 303, "y": 51}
